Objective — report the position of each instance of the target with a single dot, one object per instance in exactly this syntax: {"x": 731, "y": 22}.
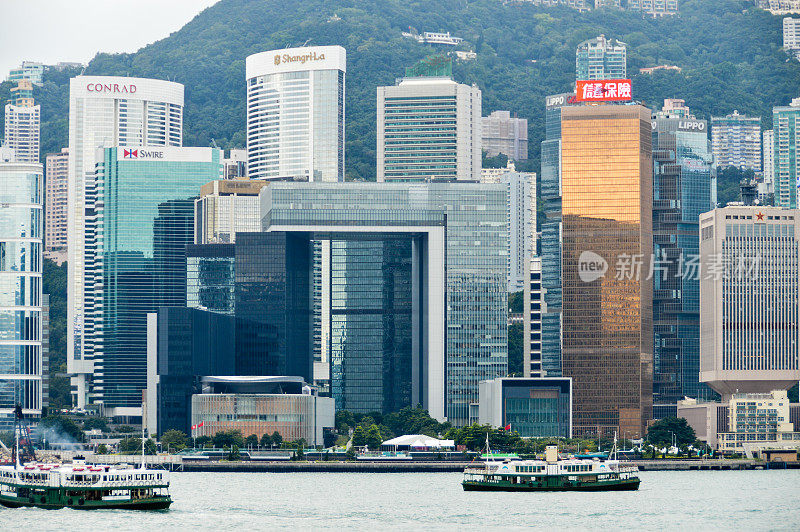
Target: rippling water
{"x": 703, "y": 500}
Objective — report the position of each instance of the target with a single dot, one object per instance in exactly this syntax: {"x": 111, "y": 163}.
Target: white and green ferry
{"x": 84, "y": 487}
{"x": 554, "y": 473}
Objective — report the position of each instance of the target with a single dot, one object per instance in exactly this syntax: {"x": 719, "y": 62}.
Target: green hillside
{"x": 729, "y": 52}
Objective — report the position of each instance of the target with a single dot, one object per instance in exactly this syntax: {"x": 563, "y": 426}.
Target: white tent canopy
{"x": 419, "y": 441}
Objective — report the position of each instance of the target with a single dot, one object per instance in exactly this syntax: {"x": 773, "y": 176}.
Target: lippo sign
{"x": 603, "y": 90}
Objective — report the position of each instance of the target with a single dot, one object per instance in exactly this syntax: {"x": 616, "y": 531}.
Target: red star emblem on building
{"x": 760, "y": 217}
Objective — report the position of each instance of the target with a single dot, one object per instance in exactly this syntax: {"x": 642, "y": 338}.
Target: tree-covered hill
{"x": 729, "y": 52}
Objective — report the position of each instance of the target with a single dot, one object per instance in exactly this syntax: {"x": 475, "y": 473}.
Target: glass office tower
{"x": 20, "y": 290}
{"x": 140, "y": 218}
{"x": 683, "y": 187}
{"x": 606, "y": 208}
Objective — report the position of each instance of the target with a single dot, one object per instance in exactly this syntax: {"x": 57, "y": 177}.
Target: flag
{"x": 200, "y": 424}
{"x": 507, "y": 427}
{"x": 194, "y": 427}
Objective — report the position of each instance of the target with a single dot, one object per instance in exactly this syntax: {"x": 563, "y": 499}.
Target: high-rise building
{"x": 502, "y": 133}
{"x": 236, "y": 164}
{"x": 550, "y": 240}
{"x": 29, "y": 70}
{"x": 601, "y": 58}
{"x": 55, "y": 206}
{"x": 20, "y": 290}
{"x": 429, "y": 126}
{"x": 750, "y": 299}
{"x": 295, "y": 114}
{"x": 736, "y": 141}
{"x": 654, "y": 8}
{"x": 521, "y": 213}
{"x": 107, "y": 111}
{"x": 22, "y": 120}
{"x": 684, "y": 186}
{"x": 767, "y": 185}
{"x": 225, "y": 208}
{"x": 439, "y": 342}
{"x": 791, "y": 36}
{"x": 786, "y": 158}
{"x": 533, "y": 309}
{"x": 606, "y": 210}
{"x": 139, "y": 220}
{"x": 538, "y": 408}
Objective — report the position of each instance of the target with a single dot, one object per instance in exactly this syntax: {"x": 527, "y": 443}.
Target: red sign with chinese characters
{"x": 603, "y": 90}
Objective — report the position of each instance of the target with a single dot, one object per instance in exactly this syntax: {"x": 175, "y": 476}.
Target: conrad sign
{"x": 111, "y": 88}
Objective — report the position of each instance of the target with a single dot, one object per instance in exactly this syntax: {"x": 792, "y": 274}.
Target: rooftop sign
{"x": 603, "y": 90}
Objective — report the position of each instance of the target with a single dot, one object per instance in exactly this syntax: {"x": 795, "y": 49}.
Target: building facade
{"x": 296, "y": 114}
{"x": 736, "y": 141}
{"x": 786, "y": 158}
{"x": 750, "y": 299}
{"x": 502, "y": 133}
{"x": 27, "y": 71}
{"x": 456, "y": 340}
{"x": 601, "y": 58}
{"x": 225, "y": 208}
{"x": 534, "y": 408}
{"x": 262, "y": 405}
{"x": 429, "y": 128}
{"x": 21, "y": 326}
{"x": 684, "y": 187}
{"x": 22, "y": 119}
{"x": 654, "y": 8}
{"x": 106, "y": 111}
{"x": 533, "y": 310}
{"x": 55, "y": 206}
{"x": 791, "y": 36}
{"x": 139, "y": 220}
{"x": 607, "y": 340}
{"x": 758, "y": 419}
{"x": 779, "y": 7}
{"x": 766, "y": 187}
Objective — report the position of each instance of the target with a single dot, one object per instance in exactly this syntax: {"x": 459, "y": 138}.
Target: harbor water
{"x": 667, "y": 500}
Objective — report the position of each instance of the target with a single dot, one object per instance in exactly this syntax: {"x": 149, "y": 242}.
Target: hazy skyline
{"x": 50, "y": 31}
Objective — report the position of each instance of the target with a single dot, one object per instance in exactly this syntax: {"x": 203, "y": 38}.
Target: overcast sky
{"x": 50, "y": 31}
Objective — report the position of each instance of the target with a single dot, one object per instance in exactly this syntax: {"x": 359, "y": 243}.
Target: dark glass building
{"x": 534, "y": 407}
{"x": 683, "y": 187}
{"x": 184, "y": 344}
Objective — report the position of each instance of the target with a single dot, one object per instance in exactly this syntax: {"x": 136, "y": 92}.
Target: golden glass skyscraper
{"x": 607, "y": 340}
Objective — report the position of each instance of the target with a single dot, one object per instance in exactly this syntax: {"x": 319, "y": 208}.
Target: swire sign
{"x": 603, "y": 90}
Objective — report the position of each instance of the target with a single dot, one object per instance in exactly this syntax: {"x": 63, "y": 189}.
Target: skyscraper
{"x": 786, "y": 161}
{"x": 140, "y": 218}
{"x": 606, "y": 211}
{"x": 22, "y": 123}
{"x": 533, "y": 307}
{"x": 20, "y": 290}
{"x": 107, "y": 111}
{"x": 521, "y": 212}
{"x": 55, "y": 208}
{"x": 684, "y": 187}
{"x": 295, "y": 114}
{"x": 601, "y": 58}
{"x": 429, "y": 126}
{"x": 736, "y": 141}
{"x": 750, "y": 299}
{"x": 502, "y": 133}
{"x": 791, "y": 36}
{"x": 767, "y": 185}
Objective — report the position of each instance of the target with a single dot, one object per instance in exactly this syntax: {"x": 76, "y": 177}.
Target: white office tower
{"x": 767, "y": 184}
{"x": 521, "y": 219}
{"x": 22, "y": 119}
{"x": 429, "y": 128}
{"x": 749, "y": 299}
{"x": 736, "y": 141}
{"x": 295, "y": 114}
{"x": 532, "y": 320}
{"x": 107, "y": 111}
